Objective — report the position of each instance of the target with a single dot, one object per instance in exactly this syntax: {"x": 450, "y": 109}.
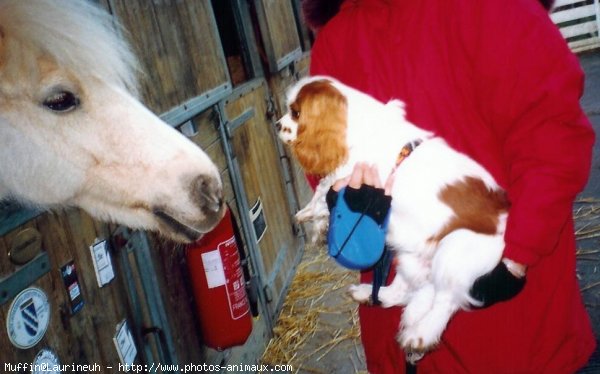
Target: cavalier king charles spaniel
{"x": 448, "y": 214}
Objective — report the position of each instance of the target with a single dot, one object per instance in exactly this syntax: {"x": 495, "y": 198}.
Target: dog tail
{"x": 318, "y": 12}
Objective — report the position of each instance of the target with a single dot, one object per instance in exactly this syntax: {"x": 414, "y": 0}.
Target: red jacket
{"x": 498, "y": 82}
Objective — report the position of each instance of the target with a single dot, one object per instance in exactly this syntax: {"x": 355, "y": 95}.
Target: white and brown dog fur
{"x": 448, "y": 214}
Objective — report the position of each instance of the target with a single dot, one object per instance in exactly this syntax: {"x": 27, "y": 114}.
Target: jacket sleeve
{"x": 531, "y": 85}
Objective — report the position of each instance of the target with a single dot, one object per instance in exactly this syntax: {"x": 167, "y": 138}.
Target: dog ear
{"x": 320, "y": 146}
{"x": 324, "y": 156}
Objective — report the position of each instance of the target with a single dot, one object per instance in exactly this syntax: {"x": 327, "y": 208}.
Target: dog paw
{"x": 418, "y": 338}
{"x": 361, "y": 293}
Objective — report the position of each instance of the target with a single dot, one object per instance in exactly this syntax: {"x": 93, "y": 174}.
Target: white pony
{"x": 72, "y": 132}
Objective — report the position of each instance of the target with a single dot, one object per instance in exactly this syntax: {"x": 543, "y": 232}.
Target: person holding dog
{"x": 498, "y": 82}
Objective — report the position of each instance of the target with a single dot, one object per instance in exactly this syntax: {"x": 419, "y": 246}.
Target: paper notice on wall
{"x": 102, "y": 262}
{"x": 125, "y": 345}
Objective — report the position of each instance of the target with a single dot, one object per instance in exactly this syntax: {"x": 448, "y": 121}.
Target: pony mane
{"x": 56, "y": 28}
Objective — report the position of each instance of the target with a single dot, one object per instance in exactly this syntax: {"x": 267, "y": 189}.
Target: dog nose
{"x": 278, "y": 125}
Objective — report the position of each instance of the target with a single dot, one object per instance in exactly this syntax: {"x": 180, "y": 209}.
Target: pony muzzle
{"x": 205, "y": 194}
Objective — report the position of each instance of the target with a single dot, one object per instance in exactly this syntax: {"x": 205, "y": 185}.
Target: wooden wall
{"x": 281, "y": 40}
{"x": 84, "y": 337}
{"x": 178, "y": 45}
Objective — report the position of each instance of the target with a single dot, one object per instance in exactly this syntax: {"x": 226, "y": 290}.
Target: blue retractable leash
{"x": 357, "y": 242}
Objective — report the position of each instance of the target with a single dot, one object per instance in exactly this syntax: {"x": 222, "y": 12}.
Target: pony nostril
{"x": 207, "y": 193}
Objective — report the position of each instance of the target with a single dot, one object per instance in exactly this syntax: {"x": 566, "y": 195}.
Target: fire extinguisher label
{"x": 235, "y": 287}
{"x": 213, "y": 267}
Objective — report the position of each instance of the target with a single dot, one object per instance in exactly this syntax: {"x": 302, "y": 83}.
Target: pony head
{"x": 72, "y": 132}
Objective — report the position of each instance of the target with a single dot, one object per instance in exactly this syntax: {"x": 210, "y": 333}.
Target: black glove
{"x": 371, "y": 201}
{"x": 498, "y": 285}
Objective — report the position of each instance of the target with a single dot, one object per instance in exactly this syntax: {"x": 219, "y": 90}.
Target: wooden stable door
{"x": 269, "y": 206}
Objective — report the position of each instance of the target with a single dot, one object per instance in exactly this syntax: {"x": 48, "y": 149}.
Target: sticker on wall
{"x": 45, "y": 362}
{"x": 69, "y": 276}
{"x": 259, "y": 222}
{"x": 125, "y": 344}
{"x": 102, "y": 262}
{"x": 28, "y": 318}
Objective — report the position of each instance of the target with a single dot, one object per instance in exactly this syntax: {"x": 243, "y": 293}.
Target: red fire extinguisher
{"x": 219, "y": 287}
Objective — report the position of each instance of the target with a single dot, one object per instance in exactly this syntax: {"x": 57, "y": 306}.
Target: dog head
{"x": 315, "y": 125}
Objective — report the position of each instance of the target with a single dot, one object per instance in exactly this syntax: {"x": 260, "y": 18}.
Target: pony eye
{"x": 62, "y": 101}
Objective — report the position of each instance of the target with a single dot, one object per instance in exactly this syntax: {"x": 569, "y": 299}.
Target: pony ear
{"x": 320, "y": 146}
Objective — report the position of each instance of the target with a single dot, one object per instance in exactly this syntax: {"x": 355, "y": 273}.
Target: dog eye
{"x": 295, "y": 114}
{"x": 62, "y": 101}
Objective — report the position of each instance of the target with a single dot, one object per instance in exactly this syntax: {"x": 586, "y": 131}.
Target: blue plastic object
{"x": 354, "y": 239}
